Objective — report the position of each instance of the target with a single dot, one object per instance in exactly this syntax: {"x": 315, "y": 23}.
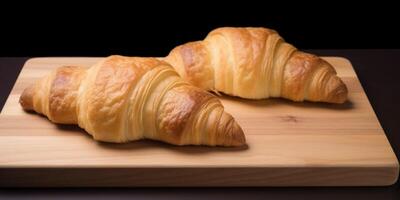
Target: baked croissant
{"x": 123, "y": 99}
{"x": 256, "y": 63}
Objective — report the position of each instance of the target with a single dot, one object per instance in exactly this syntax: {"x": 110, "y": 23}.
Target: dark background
{"x": 354, "y": 31}
{"x": 154, "y": 28}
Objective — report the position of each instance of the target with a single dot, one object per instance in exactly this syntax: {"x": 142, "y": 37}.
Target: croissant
{"x": 123, "y": 99}
{"x": 256, "y": 63}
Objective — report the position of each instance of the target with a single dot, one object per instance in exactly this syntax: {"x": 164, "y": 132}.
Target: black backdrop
{"x": 99, "y": 29}
{"x": 153, "y": 28}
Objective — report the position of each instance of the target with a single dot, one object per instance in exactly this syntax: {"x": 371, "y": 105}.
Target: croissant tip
{"x": 238, "y": 138}
{"x": 340, "y": 94}
{"x": 26, "y": 98}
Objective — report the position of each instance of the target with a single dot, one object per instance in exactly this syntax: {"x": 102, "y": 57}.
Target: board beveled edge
{"x": 396, "y": 167}
{"x": 195, "y": 177}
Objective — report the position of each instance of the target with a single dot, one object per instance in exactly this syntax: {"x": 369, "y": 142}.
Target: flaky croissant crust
{"x": 256, "y": 63}
{"x": 122, "y": 99}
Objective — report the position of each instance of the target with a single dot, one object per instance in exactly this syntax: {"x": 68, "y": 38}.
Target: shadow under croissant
{"x": 270, "y": 102}
{"x": 187, "y": 149}
{"x": 70, "y": 128}
{"x": 140, "y": 144}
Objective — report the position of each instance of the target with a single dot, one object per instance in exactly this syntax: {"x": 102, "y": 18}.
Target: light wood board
{"x": 289, "y": 144}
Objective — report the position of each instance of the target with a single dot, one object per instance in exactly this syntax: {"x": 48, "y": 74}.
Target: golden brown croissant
{"x": 256, "y": 63}
{"x": 122, "y": 99}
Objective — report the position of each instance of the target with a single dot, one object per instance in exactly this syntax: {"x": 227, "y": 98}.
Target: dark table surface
{"x": 378, "y": 71}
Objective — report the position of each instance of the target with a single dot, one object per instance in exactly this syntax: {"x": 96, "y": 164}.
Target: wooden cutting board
{"x": 289, "y": 144}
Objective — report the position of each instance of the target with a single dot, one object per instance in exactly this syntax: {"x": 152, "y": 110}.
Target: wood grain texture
{"x": 289, "y": 144}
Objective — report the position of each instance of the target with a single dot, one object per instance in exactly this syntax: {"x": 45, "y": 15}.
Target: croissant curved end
{"x": 337, "y": 90}
{"x": 238, "y": 138}
{"x": 231, "y": 134}
{"x": 26, "y": 98}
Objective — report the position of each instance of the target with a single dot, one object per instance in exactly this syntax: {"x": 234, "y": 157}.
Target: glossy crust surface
{"x": 256, "y": 63}
{"x": 122, "y": 99}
